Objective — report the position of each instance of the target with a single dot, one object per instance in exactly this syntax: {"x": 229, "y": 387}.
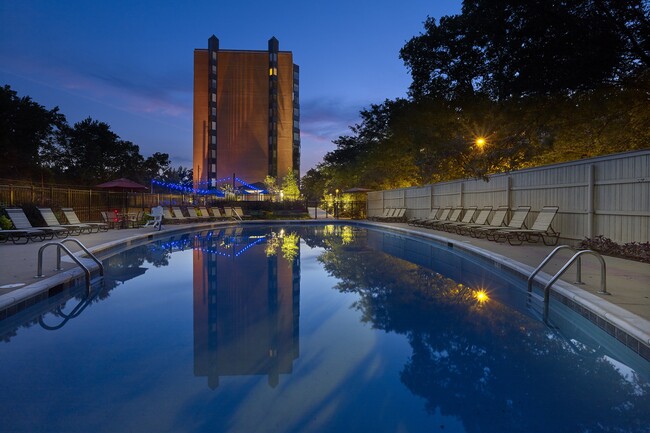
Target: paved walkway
{"x": 627, "y": 281}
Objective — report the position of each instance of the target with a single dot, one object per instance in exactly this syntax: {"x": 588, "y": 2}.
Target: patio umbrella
{"x": 122, "y": 184}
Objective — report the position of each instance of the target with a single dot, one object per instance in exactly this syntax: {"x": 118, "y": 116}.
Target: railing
{"x": 575, "y": 258}
{"x": 548, "y": 258}
{"x": 74, "y": 258}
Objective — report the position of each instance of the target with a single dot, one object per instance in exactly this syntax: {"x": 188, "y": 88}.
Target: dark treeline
{"x": 37, "y": 144}
{"x": 541, "y": 82}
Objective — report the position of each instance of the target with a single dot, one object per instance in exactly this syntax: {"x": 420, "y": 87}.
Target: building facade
{"x": 246, "y": 115}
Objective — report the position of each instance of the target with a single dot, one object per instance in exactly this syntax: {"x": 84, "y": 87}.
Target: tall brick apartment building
{"x": 246, "y": 114}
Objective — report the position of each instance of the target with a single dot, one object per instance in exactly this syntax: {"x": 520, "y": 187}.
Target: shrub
{"x": 639, "y": 251}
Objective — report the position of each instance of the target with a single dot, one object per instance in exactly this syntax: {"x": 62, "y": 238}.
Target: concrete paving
{"x": 627, "y": 281}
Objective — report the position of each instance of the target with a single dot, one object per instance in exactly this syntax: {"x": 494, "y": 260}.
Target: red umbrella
{"x": 122, "y": 184}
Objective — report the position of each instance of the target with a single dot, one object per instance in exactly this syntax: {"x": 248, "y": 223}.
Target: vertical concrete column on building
{"x": 274, "y": 48}
{"x": 213, "y": 55}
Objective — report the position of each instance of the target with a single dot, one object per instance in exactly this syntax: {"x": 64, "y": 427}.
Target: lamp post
{"x": 336, "y": 204}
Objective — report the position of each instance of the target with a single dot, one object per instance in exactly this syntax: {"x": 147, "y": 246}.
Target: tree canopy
{"x": 539, "y": 82}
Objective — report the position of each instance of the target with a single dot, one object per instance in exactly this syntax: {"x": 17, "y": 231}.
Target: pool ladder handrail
{"x": 575, "y": 258}
{"x": 60, "y": 247}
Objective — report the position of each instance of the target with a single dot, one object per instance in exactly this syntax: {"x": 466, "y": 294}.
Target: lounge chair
{"x": 386, "y": 216}
{"x": 168, "y": 216}
{"x": 27, "y": 235}
{"x": 497, "y": 221}
{"x": 480, "y": 220}
{"x": 193, "y": 215}
{"x": 72, "y": 218}
{"x": 516, "y": 222}
{"x": 239, "y": 211}
{"x": 230, "y": 213}
{"x": 444, "y": 215}
{"x": 398, "y": 216}
{"x": 178, "y": 215}
{"x": 467, "y": 219}
{"x": 431, "y": 216}
{"x": 217, "y": 213}
{"x": 541, "y": 229}
{"x": 52, "y": 221}
{"x": 453, "y": 217}
{"x": 157, "y": 216}
{"x": 20, "y": 221}
{"x": 387, "y": 211}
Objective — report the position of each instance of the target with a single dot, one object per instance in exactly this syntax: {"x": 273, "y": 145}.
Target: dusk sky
{"x": 130, "y": 63}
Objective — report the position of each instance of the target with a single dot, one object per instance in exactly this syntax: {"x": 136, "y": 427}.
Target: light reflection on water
{"x": 309, "y": 328}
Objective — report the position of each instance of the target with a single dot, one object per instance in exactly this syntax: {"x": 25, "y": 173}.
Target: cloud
{"x": 327, "y": 119}
{"x": 159, "y": 102}
{"x": 322, "y": 121}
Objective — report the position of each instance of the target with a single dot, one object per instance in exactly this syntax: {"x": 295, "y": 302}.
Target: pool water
{"x": 311, "y": 328}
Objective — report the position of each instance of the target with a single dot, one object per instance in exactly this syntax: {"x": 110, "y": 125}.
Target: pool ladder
{"x": 61, "y": 247}
{"x": 577, "y": 257}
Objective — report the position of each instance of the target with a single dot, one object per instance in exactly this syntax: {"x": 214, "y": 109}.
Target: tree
{"x": 93, "y": 153}
{"x": 271, "y": 185}
{"x": 528, "y": 47}
{"x": 157, "y": 166}
{"x": 290, "y": 187}
{"x": 313, "y": 183}
{"x": 28, "y": 136}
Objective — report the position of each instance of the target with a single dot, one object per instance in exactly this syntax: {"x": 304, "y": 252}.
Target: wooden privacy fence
{"x": 608, "y": 196}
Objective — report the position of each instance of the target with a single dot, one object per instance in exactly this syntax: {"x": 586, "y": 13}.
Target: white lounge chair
{"x": 72, "y": 218}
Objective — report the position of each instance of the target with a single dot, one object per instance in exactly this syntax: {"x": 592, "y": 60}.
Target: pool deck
{"x": 628, "y": 281}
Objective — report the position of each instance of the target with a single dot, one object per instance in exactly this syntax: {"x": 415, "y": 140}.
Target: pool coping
{"x": 629, "y": 328}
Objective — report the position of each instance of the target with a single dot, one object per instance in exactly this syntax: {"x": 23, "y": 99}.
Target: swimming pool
{"x": 312, "y": 328}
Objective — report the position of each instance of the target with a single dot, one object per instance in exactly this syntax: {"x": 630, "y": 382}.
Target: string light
{"x": 191, "y": 190}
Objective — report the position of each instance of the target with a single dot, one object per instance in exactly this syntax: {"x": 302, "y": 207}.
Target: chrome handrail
{"x": 83, "y": 247}
{"x": 576, "y": 256}
{"x": 74, "y": 258}
{"x": 548, "y": 258}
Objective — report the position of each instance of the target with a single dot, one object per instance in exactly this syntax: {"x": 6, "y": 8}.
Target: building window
{"x": 214, "y": 69}
{"x": 213, "y": 139}
{"x": 213, "y": 110}
{"x": 213, "y": 84}
{"x": 213, "y": 125}
{"x": 213, "y": 96}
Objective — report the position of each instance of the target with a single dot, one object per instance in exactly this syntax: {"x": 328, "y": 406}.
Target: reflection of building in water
{"x": 246, "y": 310}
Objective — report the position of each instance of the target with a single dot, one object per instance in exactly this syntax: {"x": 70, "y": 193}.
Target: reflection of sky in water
{"x": 384, "y": 345}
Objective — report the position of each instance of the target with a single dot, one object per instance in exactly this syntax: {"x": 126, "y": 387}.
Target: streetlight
{"x": 480, "y": 143}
